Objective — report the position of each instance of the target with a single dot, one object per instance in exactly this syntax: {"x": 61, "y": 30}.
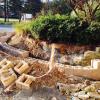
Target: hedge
{"x": 61, "y": 28}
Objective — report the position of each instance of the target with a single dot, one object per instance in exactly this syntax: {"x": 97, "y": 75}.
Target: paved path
{"x": 6, "y": 28}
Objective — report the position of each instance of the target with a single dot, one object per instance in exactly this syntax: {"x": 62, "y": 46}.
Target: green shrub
{"x": 23, "y": 27}
{"x": 98, "y": 15}
{"x": 61, "y": 28}
{"x": 47, "y": 27}
{"x": 56, "y": 28}
{"x": 91, "y": 35}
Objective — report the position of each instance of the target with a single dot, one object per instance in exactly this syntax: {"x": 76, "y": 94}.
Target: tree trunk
{"x": 5, "y": 10}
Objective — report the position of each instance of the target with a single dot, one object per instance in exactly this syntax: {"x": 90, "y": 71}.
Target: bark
{"x": 13, "y": 51}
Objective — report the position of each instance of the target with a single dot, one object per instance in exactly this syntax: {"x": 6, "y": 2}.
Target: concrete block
{"x": 10, "y": 88}
{"x": 7, "y": 76}
{"x": 25, "y": 81}
{"x": 95, "y": 63}
{"x": 6, "y": 64}
{"x": 22, "y": 67}
{"x": 98, "y": 49}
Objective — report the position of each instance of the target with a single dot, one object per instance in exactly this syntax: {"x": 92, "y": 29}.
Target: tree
{"x": 15, "y": 7}
{"x": 88, "y": 7}
{"x": 32, "y": 6}
{"x": 57, "y": 7}
{"x": 60, "y": 6}
{"x": 5, "y": 10}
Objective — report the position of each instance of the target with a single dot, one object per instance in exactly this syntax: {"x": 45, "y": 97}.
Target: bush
{"x": 47, "y": 27}
{"x": 91, "y": 35}
{"x": 61, "y": 28}
{"x": 56, "y": 28}
{"x": 98, "y": 15}
{"x": 22, "y": 27}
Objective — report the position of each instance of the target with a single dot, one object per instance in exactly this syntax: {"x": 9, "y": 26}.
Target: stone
{"x": 88, "y": 56}
{"x": 75, "y": 79}
{"x": 6, "y": 64}
{"x": 97, "y": 84}
{"x": 7, "y": 76}
{"x": 79, "y": 93}
{"x": 25, "y": 81}
{"x": 95, "y": 63}
{"x": 22, "y": 67}
{"x": 94, "y": 95}
{"x": 1, "y": 90}
{"x": 77, "y": 59}
{"x": 69, "y": 88}
{"x": 65, "y": 59}
{"x": 98, "y": 91}
{"x": 75, "y": 98}
{"x": 53, "y": 98}
{"x": 87, "y": 82}
{"x": 83, "y": 97}
{"x": 98, "y": 49}
{"x": 90, "y": 88}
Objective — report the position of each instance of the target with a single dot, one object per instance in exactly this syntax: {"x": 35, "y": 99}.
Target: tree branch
{"x": 96, "y": 8}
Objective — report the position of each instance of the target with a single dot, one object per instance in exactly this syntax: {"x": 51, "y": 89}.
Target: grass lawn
{"x": 11, "y": 21}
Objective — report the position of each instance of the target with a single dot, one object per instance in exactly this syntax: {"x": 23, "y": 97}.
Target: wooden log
{"x": 13, "y": 51}
{"x": 6, "y": 37}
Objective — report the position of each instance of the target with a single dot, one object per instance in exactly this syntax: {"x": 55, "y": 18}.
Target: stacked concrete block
{"x": 25, "y": 81}
{"x": 22, "y": 67}
{"x": 7, "y": 76}
{"x": 95, "y": 63}
{"x": 6, "y": 64}
{"x": 10, "y": 88}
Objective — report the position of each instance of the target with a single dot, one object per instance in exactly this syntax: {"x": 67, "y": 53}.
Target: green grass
{"x": 11, "y": 21}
